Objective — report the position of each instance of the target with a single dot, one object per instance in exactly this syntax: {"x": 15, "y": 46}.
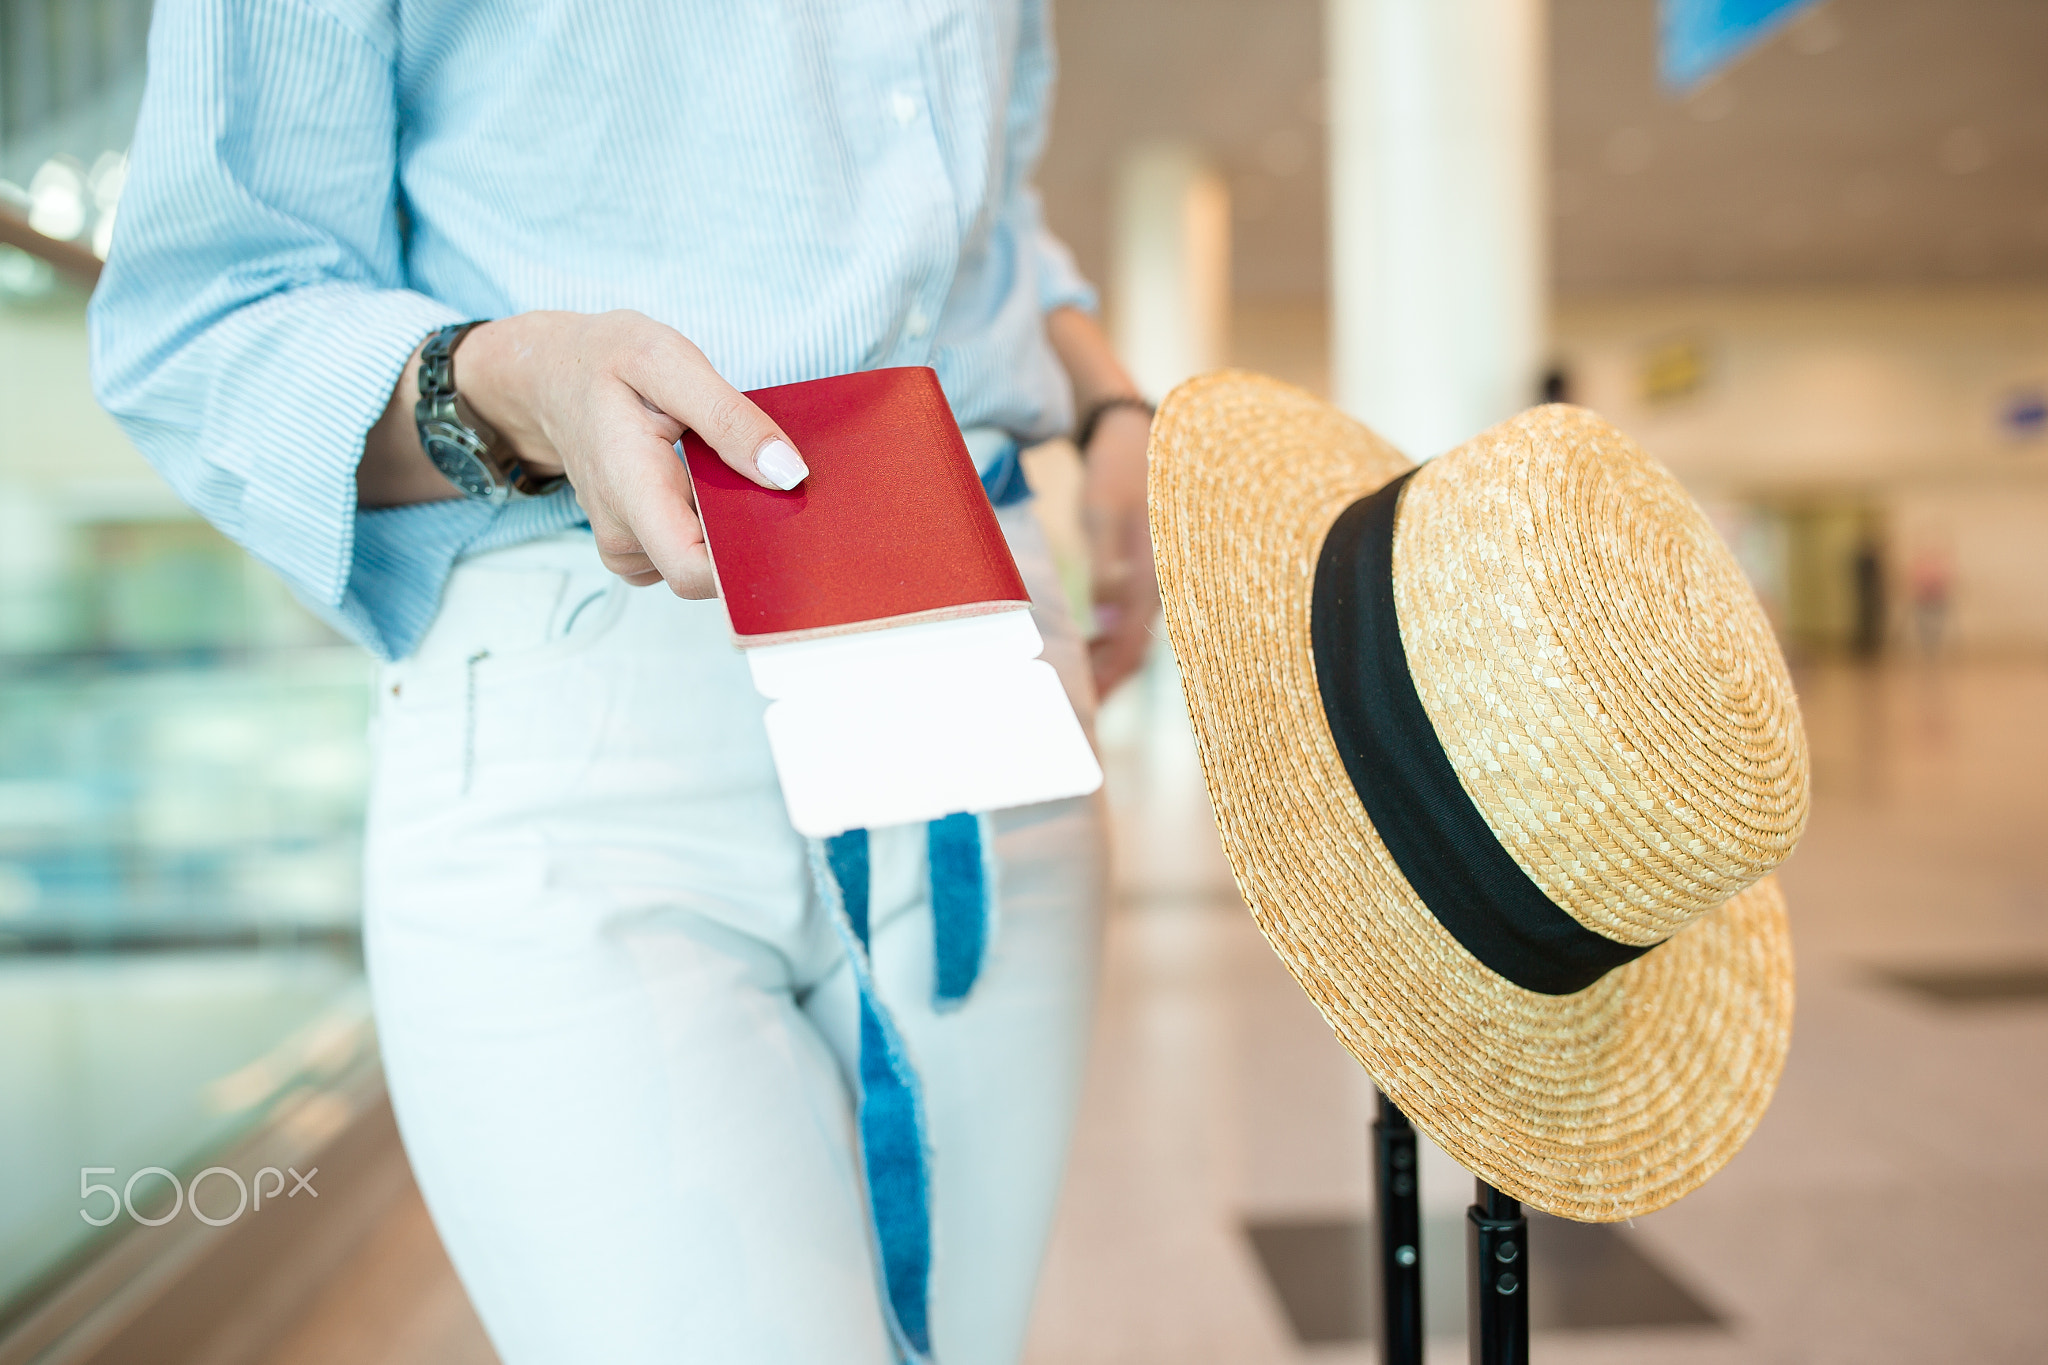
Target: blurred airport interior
{"x": 1814, "y": 282}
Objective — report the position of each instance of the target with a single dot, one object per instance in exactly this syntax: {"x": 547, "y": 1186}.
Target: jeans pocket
{"x": 508, "y": 622}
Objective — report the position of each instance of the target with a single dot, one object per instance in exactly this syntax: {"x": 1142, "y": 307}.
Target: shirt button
{"x": 917, "y": 324}
{"x": 903, "y": 108}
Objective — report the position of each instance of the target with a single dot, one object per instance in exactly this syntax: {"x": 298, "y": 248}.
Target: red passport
{"x": 892, "y": 526}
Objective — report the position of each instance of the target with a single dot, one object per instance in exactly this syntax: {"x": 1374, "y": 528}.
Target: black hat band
{"x": 1404, "y": 779}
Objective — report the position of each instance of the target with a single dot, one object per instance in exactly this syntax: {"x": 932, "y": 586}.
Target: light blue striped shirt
{"x": 801, "y": 187}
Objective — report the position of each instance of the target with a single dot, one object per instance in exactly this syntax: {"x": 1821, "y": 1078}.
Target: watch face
{"x": 453, "y": 449}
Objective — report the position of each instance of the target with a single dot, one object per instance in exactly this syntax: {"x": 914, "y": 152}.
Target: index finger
{"x": 676, "y": 377}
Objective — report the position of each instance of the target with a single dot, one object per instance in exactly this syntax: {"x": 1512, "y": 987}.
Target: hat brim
{"x": 1595, "y": 1106}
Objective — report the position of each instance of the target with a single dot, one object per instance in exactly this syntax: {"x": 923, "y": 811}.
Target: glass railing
{"x": 180, "y": 794}
{"x": 181, "y": 783}
{"x": 182, "y": 757}
{"x": 129, "y": 1071}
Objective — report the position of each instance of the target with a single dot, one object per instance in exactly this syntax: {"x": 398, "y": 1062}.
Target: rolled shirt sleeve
{"x": 253, "y": 317}
{"x": 1060, "y": 282}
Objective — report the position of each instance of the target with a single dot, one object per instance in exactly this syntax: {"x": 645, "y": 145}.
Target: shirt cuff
{"x": 403, "y": 556}
{"x": 1060, "y": 282}
{"x": 299, "y": 514}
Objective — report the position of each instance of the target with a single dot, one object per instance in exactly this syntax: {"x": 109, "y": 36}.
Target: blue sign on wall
{"x": 1699, "y": 37}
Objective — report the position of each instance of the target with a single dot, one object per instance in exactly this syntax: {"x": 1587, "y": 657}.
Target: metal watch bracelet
{"x": 460, "y": 445}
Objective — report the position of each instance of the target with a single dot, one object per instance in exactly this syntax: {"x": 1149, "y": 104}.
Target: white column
{"x": 1439, "y": 258}
{"x": 1170, "y": 277}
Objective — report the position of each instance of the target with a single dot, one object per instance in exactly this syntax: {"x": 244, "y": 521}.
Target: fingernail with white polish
{"x": 780, "y": 465}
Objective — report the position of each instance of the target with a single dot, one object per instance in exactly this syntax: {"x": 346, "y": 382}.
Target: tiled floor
{"x": 1890, "y": 1209}
{"x": 396, "y": 1302}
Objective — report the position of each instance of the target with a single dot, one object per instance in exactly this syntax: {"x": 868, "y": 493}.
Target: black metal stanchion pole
{"x": 1400, "y": 1226}
{"x": 1498, "y": 1293}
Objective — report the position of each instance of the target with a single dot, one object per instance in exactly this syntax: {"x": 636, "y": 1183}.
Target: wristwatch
{"x": 460, "y": 445}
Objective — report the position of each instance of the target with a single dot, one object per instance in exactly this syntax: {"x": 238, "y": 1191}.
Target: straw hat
{"x": 1553, "y": 940}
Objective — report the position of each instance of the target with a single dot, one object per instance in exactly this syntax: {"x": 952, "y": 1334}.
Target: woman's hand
{"x": 602, "y": 398}
{"x": 1112, "y": 500}
{"x": 1119, "y": 546}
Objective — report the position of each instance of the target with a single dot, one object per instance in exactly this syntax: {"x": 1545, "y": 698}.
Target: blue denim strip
{"x": 960, "y": 882}
{"x": 894, "y": 1157}
{"x": 892, "y": 1127}
{"x": 1003, "y": 481}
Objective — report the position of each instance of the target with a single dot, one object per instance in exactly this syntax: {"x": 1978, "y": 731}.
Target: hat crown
{"x": 1599, "y": 673}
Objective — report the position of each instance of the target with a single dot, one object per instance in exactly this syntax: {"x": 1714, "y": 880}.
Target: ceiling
{"x": 1871, "y": 142}
{"x": 1242, "y": 79}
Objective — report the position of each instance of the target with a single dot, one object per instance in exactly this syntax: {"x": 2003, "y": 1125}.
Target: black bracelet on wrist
{"x": 1085, "y": 432}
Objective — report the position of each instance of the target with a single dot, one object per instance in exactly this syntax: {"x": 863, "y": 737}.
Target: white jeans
{"x": 618, "y": 1028}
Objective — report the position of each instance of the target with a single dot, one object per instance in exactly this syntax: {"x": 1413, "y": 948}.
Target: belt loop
{"x": 1004, "y": 480}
